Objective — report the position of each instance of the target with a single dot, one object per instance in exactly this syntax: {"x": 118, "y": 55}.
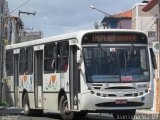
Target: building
{"x": 30, "y": 35}
{"x": 144, "y": 21}
{"x": 14, "y": 26}
{"x": 16, "y": 32}
{"x": 118, "y": 21}
{"x": 153, "y": 8}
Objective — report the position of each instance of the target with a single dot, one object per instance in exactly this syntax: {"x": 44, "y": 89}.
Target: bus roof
{"x": 78, "y": 35}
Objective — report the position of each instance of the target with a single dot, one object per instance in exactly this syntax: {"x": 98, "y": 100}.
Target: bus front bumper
{"x": 92, "y": 102}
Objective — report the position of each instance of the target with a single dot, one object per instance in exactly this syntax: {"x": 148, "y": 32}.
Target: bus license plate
{"x": 121, "y": 101}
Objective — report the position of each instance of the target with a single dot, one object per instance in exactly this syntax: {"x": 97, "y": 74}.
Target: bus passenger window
{"x": 49, "y": 58}
{"x": 62, "y": 56}
{"x": 22, "y": 61}
{"x": 29, "y": 60}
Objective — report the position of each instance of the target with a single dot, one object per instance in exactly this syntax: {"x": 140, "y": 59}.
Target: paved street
{"x": 16, "y": 114}
{"x": 52, "y": 116}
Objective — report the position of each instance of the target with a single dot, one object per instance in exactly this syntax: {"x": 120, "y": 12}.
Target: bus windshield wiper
{"x": 125, "y": 62}
{"x": 131, "y": 49}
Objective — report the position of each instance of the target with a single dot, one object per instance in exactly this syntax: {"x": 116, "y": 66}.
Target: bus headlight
{"x": 92, "y": 92}
{"x": 146, "y": 91}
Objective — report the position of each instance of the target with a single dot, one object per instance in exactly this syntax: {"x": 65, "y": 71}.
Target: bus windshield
{"x": 116, "y": 64}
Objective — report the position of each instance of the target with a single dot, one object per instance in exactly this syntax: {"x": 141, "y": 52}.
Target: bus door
{"x": 16, "y": 77}
{"x": 74, "y": 78}
{"x": 38, "y": 78}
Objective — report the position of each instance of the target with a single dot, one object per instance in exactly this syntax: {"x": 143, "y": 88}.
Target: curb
{"x": 2, "y": 107}
{"x": 11, "y": 111}
{"x": 146, "y": 112}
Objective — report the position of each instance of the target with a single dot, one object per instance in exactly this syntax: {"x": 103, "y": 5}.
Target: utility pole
{"x": 19, "y": 13}
{"x": 27, "y": 13}
{"x": 158, "y": 56}
{"x": 2, "y": 15}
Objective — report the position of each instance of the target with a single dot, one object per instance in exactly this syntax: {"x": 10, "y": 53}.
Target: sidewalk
{"x": 145, "y": 111}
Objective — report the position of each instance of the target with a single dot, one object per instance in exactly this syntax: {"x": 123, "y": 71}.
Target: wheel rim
{"x": 65, "y": 106}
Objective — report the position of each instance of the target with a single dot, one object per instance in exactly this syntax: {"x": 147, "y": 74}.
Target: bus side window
{"x": 29, "y": 60}
{"x": 62, "y": 56}
{"x": 49, "y": 58}
{"x": 22, "y": 61}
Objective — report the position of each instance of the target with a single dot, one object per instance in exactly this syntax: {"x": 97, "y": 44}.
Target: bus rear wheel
{"x": 65, "y": 113}
{"x": 124, "y": 114}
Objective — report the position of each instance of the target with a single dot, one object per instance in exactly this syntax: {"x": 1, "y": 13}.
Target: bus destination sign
{"x": 127, "y": 38}
{"x": 113, "y": 38}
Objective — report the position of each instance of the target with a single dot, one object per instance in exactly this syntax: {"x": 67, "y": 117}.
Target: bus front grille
{"x": 113, "y": 104}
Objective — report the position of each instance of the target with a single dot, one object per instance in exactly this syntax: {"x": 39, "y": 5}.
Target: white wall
{"x": 145, "y": 22}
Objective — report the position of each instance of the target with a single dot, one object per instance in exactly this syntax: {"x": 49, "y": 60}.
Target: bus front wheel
{"x": 65, "y": 113}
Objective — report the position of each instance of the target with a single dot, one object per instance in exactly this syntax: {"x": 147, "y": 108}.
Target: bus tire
{"x": 26, "y": 107}
{"x": 124, "y": 114}
{"x": 65, "y": 113}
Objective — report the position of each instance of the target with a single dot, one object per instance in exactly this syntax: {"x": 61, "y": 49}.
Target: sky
{"x": 54, "y": 17}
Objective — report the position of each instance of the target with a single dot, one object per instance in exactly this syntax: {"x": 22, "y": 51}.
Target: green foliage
{"x": 3, "y": 103}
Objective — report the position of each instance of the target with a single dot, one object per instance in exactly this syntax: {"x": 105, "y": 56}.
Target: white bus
{"x": 77, "y": 73}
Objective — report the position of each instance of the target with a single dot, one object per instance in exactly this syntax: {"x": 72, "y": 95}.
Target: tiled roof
{"x": 125, "y": 14}
{"x": 14, "y": 17}
{"x": 150, "y": 5}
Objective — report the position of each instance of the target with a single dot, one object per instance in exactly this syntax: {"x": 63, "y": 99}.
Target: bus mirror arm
{"x": 79, "y": 57}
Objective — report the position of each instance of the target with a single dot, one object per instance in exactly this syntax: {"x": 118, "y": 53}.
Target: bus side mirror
{"x": 153, "y": 58}
{"x": 79, "y": 56}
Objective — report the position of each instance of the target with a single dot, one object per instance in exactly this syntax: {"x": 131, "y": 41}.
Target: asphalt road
{"x": 52, "y": 116}
{"x": 16, "y": 114}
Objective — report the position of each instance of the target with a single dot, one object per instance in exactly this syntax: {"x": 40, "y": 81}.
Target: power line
{"x": 19, "y": 6}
